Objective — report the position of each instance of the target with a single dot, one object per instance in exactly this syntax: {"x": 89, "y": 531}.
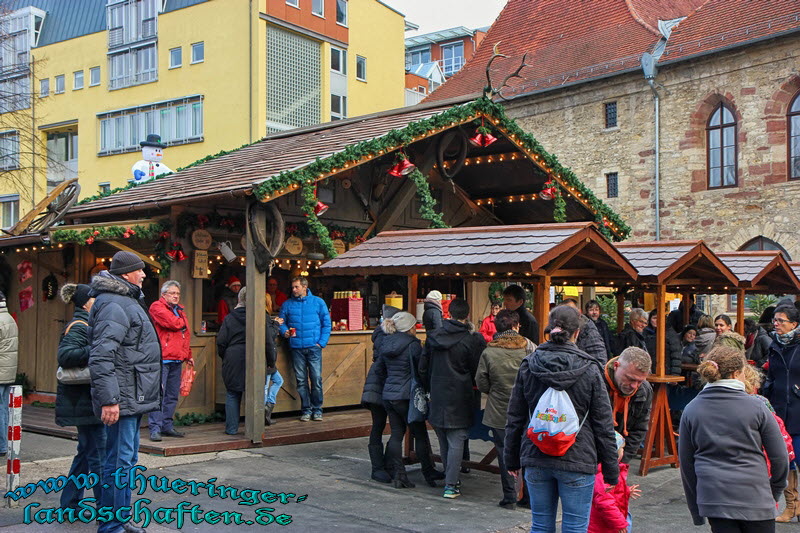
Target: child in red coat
{"x": 610, "y": 503}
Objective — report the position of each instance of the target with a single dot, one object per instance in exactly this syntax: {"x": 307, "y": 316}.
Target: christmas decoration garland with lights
{"x": 316, "y": 227}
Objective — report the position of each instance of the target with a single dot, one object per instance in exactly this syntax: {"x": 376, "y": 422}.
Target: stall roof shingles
{"x": 238, "y": 170}
{"x": 487, "y": 246}
{"x": 653, "y": 260}
{"x": 751, "y": 266}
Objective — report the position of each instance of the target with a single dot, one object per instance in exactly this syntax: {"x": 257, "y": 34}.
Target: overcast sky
{"x": 434, "y": 15}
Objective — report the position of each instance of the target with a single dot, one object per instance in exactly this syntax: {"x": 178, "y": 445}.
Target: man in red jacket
{"x": 172, "y": 329}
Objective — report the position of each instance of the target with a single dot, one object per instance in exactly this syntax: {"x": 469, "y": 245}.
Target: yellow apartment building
{"x": 82, "y": 82}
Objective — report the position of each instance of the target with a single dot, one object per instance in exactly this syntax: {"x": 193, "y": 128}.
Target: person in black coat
{"x": 397, "y": 353}
{"x": 559, "y": 364}
{"x": 589, "y": 339}
{"x": 782, "y": 387}
{"x": 372, "y": 396}
{"x": 592, "y": 310}
{"x": 633, "y": 334}
{"x": 759, "y": 342}
{"x": 447, "y": 368}
{"x": 433, "y": 316}
{"x": 231, "y": 341}
{"x": 74, "y": 402}
{"x": 514, "y": 300}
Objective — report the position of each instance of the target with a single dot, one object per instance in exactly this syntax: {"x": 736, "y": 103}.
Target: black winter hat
{"x": 75, "y": 293}
{"x": 124, "y": 262}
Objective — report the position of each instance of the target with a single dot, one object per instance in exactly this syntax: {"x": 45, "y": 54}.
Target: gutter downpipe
{"x": 657, "y": 155}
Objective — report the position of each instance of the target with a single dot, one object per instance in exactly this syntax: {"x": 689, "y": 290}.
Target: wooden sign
{"x": 201, "y": 239}
{"x": 338, "y": 245}
{"x": 200, "y": 264}
{"x": 294, "y": 245}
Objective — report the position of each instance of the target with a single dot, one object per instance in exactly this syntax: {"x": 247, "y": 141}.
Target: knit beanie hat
{"x": 389, "y": 311}
{"x": 404, "y": 321}
{"x": 77, "y": 294}
{"x": 124, "y": 262}
{"x": 434, "y": 295}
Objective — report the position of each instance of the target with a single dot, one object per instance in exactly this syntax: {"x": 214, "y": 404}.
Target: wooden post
{"x": 541, "y": 305}
{"x": 620, "y": 311}
{"x": 661, "y": 338}
{"x": 687, "y": 308}
{"x": 256, "y": 318}
{"x": 740, "y": 311}
{"x": 411, "y": 304}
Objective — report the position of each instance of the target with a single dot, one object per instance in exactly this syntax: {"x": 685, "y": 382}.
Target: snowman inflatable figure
{"x": 150, "y": 166}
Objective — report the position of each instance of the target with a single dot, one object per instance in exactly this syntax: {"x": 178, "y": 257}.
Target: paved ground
{"x": 340, "y": 497}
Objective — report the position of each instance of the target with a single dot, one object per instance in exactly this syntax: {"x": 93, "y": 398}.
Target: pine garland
{"x": 396, "y": 139}
{"x": 426, "y": 200}
{"x": 317, "y": 227}
{"x": 559, "y": 207}
{"x": 190, "y": 221}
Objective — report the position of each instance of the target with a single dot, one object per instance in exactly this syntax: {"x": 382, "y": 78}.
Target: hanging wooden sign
{"x": 338, "y": 245}
{"x": 201, "y": 239}
{"x": 294, "y": 245}
{"x": 200, "y": 264}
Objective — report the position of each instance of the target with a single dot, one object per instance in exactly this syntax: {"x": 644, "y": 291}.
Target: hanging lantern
{"x": 403, "y": 167}
{"x": 549, "y": 191}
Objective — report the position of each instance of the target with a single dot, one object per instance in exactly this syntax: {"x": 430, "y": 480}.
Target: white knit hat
{"x": 404, "y": 321}
{"x": 434, "y": 295}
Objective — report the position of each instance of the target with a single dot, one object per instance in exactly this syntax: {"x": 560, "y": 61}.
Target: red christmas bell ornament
{"x": 90, "y": 240}
{"x": 549, "y": 191}
{"x": 180, "y": 256}
{"x": 320, "y": 208}
{"x": 403, "y": 167}
{"x": 476, "y": 140}
{"x": 172, "y": 254}
{"x": 488, "y": 139}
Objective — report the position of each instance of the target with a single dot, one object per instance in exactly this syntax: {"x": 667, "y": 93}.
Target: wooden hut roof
{"x": 765, "y": 270}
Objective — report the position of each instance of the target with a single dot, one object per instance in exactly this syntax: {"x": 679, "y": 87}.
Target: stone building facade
{"x": 757, "y": 83}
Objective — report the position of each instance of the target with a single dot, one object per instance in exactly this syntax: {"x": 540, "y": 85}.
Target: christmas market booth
{"x": 285, "y": 205}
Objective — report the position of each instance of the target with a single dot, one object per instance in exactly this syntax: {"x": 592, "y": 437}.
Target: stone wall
{"x": 757, "y": 82}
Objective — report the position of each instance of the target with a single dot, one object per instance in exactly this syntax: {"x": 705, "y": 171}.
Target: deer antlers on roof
{"x": 489, "y": 90}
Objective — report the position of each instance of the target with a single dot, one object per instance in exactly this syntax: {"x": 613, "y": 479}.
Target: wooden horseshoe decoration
{"x": 452, "y": 144}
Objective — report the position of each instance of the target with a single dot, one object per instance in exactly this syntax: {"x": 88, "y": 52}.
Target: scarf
{"x": 619, "y": 401}
{"x": 437, "y": 303}
{"x": 785, "y": 338}
{"x": 734, "y": 384}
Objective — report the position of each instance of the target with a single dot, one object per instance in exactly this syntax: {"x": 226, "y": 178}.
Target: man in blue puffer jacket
{"x": 307, "y": 325}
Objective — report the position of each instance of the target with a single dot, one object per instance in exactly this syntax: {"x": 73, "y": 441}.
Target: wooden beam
{"x": 564, "y": 258}
{"x": 396, "y": 206}
{"x": 124, "y": 223}
{"x": 574, "y": 273}
{"x": 541, "y": 307}
{"x": 473, "y": 207}
{"x": 620, "y": 311}
{"x": 119, "y": 246}
{"x": 687, "y": 311}
{"x": 740, "y": 311}
{"x": 255, "y": 351}
{"x": 661, "y": 338}
{"x": 411, "y": 304}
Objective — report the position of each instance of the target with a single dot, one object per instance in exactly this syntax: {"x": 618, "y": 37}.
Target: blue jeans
{"x": 307, "y": 364}
{"x": 5, "y": 391}
{"x": 122, "y": 452}
{"x": 575, "y": 490}
{"x": 89, "y": 458}
{"x": 272, "y": 386}
{"x": 233, "y": 399}
{"x": 170, "y": 388}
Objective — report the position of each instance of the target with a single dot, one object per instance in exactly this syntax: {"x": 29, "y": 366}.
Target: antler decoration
{"x": 489, "y": 90}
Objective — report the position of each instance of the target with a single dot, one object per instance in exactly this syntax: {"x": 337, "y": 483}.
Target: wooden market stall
{"x": 283, "y": 205}
{"x": 759, "y": 272}
{"x": 683, "y": 267}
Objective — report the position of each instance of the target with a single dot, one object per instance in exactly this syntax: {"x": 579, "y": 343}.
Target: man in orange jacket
{"x": 172, "y": 329}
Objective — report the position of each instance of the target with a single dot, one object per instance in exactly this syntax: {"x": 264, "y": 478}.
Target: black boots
{"x": 378, "y": 468}
{"x": 401, "y": 481}
{"x": 268, "y": 414}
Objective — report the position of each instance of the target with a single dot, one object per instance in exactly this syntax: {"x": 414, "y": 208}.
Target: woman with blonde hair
{"x": 724, "y": 434}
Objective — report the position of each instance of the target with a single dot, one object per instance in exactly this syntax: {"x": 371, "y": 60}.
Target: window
{"x": 132, "y": 32}
{"x": 318, "y": 8}
{"x": 341, "y": 12}
{"x": 338, "y": 107}
{"x": 9, "y": 150}
{"x": 178, "y": 122}
{"x": 175, "y": 57}
{"x": 612, "y": 184}
{"x": 611, "y": 114}
{"x": 44, "y": 87}
{"x": 77, "y": 80}
{"x": 339, "y": 60}
{"x": 16, "y": 94}
{"x": 452, "y": 58}
{"x": 59, "y": 84}
{"x": 198, "y": 53}
{"x": 418, "y": 57}
{"x": 761, "y": 243}
{"x": 62, "y": 146}
{"x": 9, "y": 210}
{"x": 104, "y": 188}
{"x": 133, "y": 67}
{"x": 293, "y": 3}
{"x": 422, "y": 89}
{"x": 361, "y": 68}
{"x": 721, "y": 148}
{"x": 94, "y": 76}
{"x": 794, "y": 138}
{"x": 294, "y": 74}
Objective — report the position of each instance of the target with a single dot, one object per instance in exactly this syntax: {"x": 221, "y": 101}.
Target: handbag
{"x": 418, "y": 405}
{"x": 187, "y": 379}
{"x": 74, "y": 376}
